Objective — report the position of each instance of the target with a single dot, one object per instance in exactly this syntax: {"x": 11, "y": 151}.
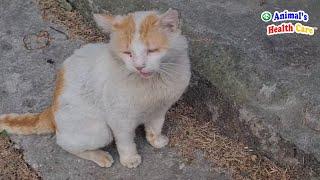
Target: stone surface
{"x": 44, "y": 155}
{"x": 26, "y": 85}
{"x": 272, "y": 82}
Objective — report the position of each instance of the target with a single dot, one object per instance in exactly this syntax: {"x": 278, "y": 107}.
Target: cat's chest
{"x": 142, "y": 97}
{"x": 138, "y": 100}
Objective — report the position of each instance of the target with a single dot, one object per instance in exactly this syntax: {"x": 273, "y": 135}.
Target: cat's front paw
{"x": 158, "y": 141}
{"x": 131, "y": 161}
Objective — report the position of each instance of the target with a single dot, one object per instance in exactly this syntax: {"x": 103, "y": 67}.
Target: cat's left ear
{"x": 170, "y": 20}
{"x": 104, "y": 22}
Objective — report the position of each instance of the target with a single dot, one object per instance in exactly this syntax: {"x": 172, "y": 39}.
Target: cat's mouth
{"x": 145, "y": 74}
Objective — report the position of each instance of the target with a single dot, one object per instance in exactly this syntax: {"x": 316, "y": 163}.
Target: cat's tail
{"x": 38, "y": 123}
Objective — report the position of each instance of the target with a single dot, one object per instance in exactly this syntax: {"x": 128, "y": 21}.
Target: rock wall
{"x": 266, "y": 89}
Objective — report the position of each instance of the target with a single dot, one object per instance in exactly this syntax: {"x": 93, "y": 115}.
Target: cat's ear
{"x": 104, "y": 22}
{"x": 170, "y": 20}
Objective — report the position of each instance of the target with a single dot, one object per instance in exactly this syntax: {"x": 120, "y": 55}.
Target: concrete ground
{"x": 31, "y": 51}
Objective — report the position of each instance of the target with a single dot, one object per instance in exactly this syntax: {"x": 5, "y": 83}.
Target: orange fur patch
{"x": 125, "y": 30}
{"x": 57, "y": 92}
{"x": 26, "y": 124}
{"x": 47, "y": 120}
{"x": 20, "y": 124}
{"x": 151, "y": 33}
{"x": 58, "y": 89}
{"x": 27, "y": 120}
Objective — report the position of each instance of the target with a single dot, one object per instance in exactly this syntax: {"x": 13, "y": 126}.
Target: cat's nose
{"x": 139, "y": 68}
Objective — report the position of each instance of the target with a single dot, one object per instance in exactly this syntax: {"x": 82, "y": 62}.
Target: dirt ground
{"x": 12, "y": 164}
{"x": 189, "y": 133}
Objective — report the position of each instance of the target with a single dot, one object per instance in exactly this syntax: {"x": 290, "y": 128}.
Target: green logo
{"x": 266, "y": 16}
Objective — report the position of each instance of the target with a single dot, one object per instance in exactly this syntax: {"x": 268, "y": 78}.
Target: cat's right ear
{"x": 170, "y": 20}
{"x": 104, "y": 22}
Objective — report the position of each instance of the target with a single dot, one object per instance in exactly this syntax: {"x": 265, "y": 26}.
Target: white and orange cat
{"x": 104, "y": 91}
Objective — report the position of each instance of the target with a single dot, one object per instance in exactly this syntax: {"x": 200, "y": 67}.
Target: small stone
{"x": 254, "y": 157}
{"x": 65, "y": 5}
{"x": 181, "y": 166}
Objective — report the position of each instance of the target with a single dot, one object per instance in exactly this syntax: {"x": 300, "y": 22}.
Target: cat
{"x": 104, "y": 91}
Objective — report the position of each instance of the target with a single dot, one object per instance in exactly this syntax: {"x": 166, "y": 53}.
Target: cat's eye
{"x": 128, "y": 53}
{"x": 152, "y": 50}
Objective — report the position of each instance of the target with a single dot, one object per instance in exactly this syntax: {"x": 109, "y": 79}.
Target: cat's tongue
{"x": 145, "y": 74}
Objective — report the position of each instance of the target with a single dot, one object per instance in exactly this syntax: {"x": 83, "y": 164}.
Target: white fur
{"x": 104, "y": 98}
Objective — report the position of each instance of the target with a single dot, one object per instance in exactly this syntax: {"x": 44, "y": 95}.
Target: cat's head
{"x": 141, "y": 39}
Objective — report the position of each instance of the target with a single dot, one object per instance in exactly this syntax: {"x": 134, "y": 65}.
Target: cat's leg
{"x": 102, "y": 158}
{"x": 126, "y": 146}
{"x": 153, "y": 132}
{"x": 83, "y": 133}
{"x": 87, "y": 145}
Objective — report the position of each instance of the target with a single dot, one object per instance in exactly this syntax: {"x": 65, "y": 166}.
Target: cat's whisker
{"x": 171, "y": 70}
{"x": 164, "y": 72}
{"x": 167, "y": 74}
{"x": 174, "y": 68}
{"x": 173, "y": 65}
